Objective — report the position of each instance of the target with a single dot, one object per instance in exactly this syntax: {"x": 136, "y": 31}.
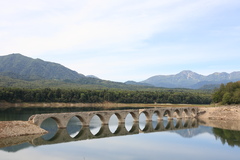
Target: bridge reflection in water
{"x": 63, "y": 136}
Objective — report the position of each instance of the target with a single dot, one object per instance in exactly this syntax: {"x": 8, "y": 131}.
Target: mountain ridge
{"x": 192, "y": 80}
{"x": 23, "y": 66}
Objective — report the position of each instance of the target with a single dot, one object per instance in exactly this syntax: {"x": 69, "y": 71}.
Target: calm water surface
{"x": 197, "y": 142}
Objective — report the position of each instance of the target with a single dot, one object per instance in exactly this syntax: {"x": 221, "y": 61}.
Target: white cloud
{"x": 96, "y": 24}
{"x": 117, "y": 35}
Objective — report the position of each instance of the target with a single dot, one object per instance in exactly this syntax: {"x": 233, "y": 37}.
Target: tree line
{"x": 99, "y": 96}
{"x": 227, "y": 94}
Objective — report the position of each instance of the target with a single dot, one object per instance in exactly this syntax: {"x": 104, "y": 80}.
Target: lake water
{"x": 195, "y": 142}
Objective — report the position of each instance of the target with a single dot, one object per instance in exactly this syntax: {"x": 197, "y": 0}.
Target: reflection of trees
{"x": 232, "y": 138}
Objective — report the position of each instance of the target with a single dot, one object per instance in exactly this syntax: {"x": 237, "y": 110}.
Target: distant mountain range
{"x": 17, "y": 70}
{"x": 189, "y": 79}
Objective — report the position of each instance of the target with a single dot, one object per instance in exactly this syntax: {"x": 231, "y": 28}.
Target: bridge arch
{"x": 51, "y": 125}
{"x": 193, "y": 112}
{"x": 119, "y": 117}
{"x": 80, "y": 118}
{"x": 100, "y": 116}
{"x": 158, "y": 114}
{"x": 60, "y": 123}
{"x": 75, "y": 125}
{"x": 177, "y": 113}
{"x": 147, "y": 115}
{"x": 167, "y": 113}
{"x": 95, "y": 124}
{"x": 134, "y": 116}
{"x": 186, "y": 112}
{"x": 113, "y": 122}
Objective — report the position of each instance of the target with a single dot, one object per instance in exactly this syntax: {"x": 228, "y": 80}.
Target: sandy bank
{"x": 19, "y": 128}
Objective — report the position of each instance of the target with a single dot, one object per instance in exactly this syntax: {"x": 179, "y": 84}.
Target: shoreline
{"x": 19, "y": 128}
{"x": 18, "y": 132}
{"x": 224, "y": 117}
{"x": 231, "y": 113}
{"x": 6, "y": 105}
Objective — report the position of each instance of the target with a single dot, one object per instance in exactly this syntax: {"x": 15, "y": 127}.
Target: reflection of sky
{"x": 159, "y": 145}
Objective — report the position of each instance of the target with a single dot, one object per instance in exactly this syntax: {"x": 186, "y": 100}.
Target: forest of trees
{"x": 227, "y": 94}
{"x": 99, "y": 96}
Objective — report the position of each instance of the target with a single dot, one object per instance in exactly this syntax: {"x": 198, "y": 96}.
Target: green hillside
{"x": 22, "y": 67}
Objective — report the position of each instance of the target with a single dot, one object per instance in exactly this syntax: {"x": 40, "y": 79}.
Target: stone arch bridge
{"x": 62, "y": 119}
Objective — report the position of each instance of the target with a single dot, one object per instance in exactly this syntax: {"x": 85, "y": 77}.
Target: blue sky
{"x": 124, "y": 40}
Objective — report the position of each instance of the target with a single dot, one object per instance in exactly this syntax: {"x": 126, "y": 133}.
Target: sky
{"x": 124, "y": 40}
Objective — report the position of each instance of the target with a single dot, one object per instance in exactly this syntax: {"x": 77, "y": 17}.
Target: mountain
{"x": 22, "y": 67}
{"x": 192, "y": 80}
{"x": 184, "y": 79}
{"x": 17, "y": 71}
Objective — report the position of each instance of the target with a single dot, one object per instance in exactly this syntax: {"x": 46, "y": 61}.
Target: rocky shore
{"x": 231, "y": 113}
{"x": 19, "y": 128}
{"x": 224, "y": 117}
